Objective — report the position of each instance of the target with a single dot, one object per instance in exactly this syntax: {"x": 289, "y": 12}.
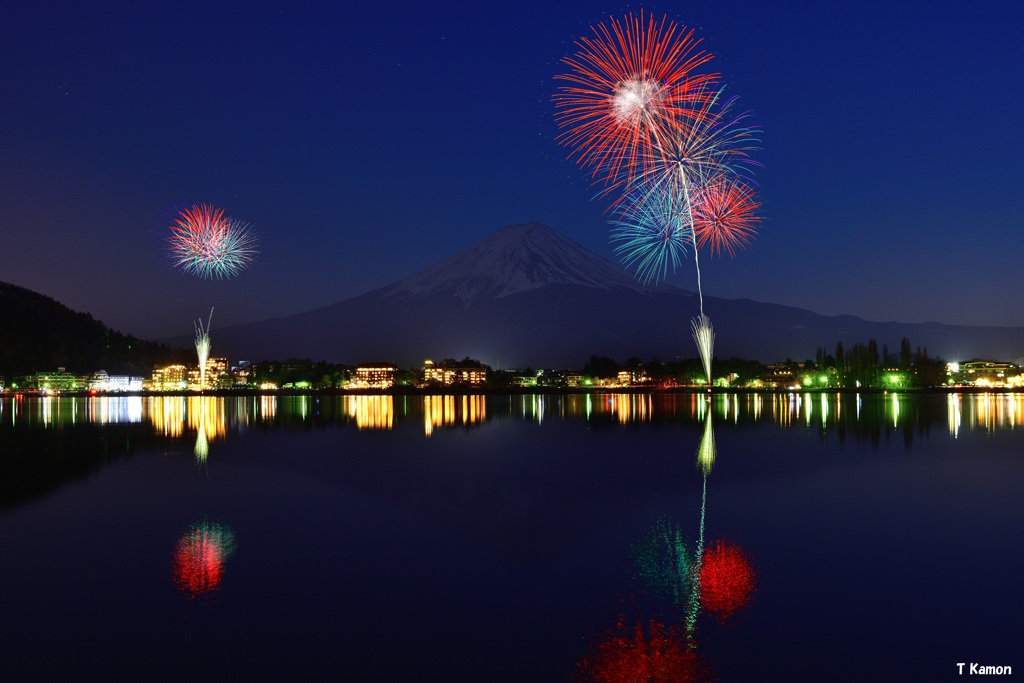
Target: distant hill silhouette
{"x": 527, "y": 296}
{"x": 38, "y": 333}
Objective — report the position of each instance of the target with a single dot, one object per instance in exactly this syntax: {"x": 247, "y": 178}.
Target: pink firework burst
{"x": 628, "y": 90}
{"x": 204, "y": 241}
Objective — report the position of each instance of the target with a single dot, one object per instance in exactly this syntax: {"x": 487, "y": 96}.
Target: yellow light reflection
{"x": 953, "y": 411}
{"x": 372, "y": 412}
{"x": 206, "y": 413}
{"x": 167, "y": 414}
{"x": 448, "y": 411}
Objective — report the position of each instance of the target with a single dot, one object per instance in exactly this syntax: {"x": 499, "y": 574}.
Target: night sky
{"x": 366, "y": 143}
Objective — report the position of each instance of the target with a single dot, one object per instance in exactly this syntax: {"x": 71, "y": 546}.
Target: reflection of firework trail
{"x": 203, "y": 241}
{"x": 706, "y": 450}
{"x": 199, "y": 558}
{"x": 203, "y": 347}
{"x": 706, "y": 453}
{"x": 693, "y": 605}
{"x": 202, "y": 448}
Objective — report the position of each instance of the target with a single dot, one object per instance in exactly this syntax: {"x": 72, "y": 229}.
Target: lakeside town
{"x": 863, "y": 367}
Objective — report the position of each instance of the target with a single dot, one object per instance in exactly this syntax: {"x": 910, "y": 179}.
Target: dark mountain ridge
{"x": 526, "y": 296}
{"x": 37, "y": 333}
{"x": 523, "y": 296}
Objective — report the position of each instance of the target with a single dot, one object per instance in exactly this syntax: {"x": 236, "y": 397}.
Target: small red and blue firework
{"x": 203, "y": 241}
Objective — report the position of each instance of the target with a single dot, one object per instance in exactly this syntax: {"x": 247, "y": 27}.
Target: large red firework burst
{"x": 726, "y": 580}
{"x": 724, "y": 215}
{"x": 629, "y": 87}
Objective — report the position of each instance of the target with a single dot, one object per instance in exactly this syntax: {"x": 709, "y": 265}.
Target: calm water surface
{"x": 524, "y": 538}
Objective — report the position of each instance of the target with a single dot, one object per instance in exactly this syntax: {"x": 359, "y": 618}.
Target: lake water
{"x": 512, "y": 538}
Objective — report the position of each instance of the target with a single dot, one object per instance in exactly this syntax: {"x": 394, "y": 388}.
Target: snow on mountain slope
{"x": 513, "y": 260}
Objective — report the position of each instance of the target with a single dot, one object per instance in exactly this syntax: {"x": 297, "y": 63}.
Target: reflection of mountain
{"x": 50, "y": 442}
{"x": 526, "y": 296}
{"x": 494, "y": 495}
{"x": 37, "y": 461}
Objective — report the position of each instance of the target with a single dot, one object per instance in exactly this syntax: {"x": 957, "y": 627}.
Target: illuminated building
{"x": 779, "y": 376}
{"x": 60, "y": 380}
{"x": 374, "y": 376}
{"x": 170, "y": 378}
{"x": 450, "y": 372}
{"x": 216, "y": 375}
{"x": 983, "y": 373}
{"x": 242, "y": 374}
{"x": 101, "y": 381}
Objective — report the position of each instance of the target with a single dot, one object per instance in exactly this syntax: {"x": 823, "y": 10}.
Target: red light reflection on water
{"x": 631, "y": 654}
{"x": 726, "y": 580}
{"x": 199, "y": 558}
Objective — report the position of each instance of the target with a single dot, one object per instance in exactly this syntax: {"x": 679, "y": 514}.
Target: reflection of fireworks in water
{"x": 202, "y": 447}
{"x": 663, "y": 562}
{"x": 706, "y": 450}
{"x": 629, "y": 654}
{"x": 726, "y": 580}
{"x": 199, "y": 558}
{"x": 203, "y": 241}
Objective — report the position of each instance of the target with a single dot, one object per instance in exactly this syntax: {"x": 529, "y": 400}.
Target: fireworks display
{"x": 724, "y": 215}
{"x": 629, "y": 86}
{"x": 203, "y": 241}
{"x": 203, "y": 347}
{"x": 665, "y": 143}
{"x": 650, "y": 234}
{"x": 704, "y": 336}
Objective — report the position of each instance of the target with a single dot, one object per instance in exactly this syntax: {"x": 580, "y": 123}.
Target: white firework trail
{"x": 203, "y": 347}
{"x": 704, "y": 335}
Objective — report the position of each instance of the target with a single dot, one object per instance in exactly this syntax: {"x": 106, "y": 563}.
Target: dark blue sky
{"x": 364, "y": 144}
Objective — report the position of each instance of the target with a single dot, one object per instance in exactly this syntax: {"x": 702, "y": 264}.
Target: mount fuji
{"x": 526, "y": 296}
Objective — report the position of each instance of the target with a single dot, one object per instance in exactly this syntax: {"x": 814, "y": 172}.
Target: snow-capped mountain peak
{"x": 513, "y": 260}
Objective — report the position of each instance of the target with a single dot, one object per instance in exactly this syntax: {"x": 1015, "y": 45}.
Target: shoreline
{"x": 509, "y": 391}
